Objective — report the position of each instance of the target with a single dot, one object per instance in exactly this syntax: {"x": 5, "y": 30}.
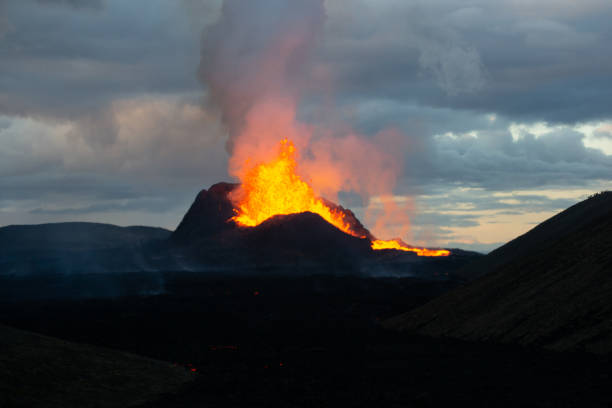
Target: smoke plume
{"x": 257, "y": 51}
{"x": 257, "y": 66}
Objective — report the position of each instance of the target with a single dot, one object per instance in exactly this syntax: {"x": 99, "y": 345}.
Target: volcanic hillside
{"x": 212, "y": 209}
{"x": 76, "y": 235}
{"x": 209, "y": 234}
{"x": 40, "y": 371}
{"x": 551, "y": 287}
{"x": 66, "y": 247}
{"x": 302, "y": 241}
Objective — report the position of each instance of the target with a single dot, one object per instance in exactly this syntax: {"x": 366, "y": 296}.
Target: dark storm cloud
{"x": 43, "y": 197}
{"x": 458, "y": 146}
{"x": 448, "y": 220}
{"x": 87, "y": 4}
{"x": 155, "y": 205}
{"x": 79, "y": 165}
{"x": 472, "y": 201}
{"x": 541, "y": 65}
{"x": 43, "y": 184}
{"x": 5, "y": 26}
{"x": 530, "y": 63}
{"x": 495, "y": 161}
{"x": 65, "y": 61}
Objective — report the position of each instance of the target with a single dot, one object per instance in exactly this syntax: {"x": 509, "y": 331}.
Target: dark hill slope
{"x": 551, "y": 287}
{"x": 562, "y": 224}
{"x": 40, "y": 371}
{"x": 303, "y": 238}
{"x": 75, "y": 247}
{"x": 75, "y": 236}
{"x": 208, "y": 215}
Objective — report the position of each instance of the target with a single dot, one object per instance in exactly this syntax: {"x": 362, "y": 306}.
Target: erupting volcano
{"x": 274, "y": 188}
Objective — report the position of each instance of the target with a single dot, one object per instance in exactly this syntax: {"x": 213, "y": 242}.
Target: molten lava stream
{"x": 393, "y": 244}
{"x": 274, "y": 188}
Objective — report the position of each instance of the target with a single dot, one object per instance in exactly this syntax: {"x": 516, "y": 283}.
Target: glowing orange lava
{"x": 393, "y": 244}
{"x": 274, "y": 188}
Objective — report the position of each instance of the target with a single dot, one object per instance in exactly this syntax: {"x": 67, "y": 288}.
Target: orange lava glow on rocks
{"x": 274, "y": 188}
{"x": 394, "y": 244}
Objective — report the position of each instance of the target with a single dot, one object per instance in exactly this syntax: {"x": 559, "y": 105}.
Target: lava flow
{"x": 274, "y": 188}
{"x": 394, "y": 244}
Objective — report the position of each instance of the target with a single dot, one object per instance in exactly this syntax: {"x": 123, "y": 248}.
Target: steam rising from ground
{"x": 257, "y": 68}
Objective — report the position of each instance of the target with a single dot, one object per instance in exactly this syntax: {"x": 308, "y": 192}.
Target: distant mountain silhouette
{"x": 76, "y": 236}
{"x": 68, "y": 247}
{"x": 550, "y": 287}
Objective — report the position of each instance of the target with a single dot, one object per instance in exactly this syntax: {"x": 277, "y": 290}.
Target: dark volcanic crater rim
{"x": 212, "y": 210}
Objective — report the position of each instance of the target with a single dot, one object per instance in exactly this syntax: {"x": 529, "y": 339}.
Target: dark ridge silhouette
{"x": 208, "y": 215}
{"x": 75, "y": 247}
{"x": 550, "y": 287}
{"x": 39, "y": 371}
{"x": 75, "y": 236}
{"x": 562, "y": 224}
{"x": 79, "y": 260}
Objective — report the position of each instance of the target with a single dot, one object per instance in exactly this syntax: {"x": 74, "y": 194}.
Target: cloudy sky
{"x": 107, "y": 112}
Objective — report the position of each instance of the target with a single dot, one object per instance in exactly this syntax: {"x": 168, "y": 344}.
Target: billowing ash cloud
{"x": 258, "y": 50}
{"x": 4, "y": 22}
{"x": 456, "y": 69}
{"x": 257, "y": 64}
{"x": 89, "y": 4}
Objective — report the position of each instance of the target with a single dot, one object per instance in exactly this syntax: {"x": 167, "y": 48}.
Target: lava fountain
{"x": 274, "y": 188}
